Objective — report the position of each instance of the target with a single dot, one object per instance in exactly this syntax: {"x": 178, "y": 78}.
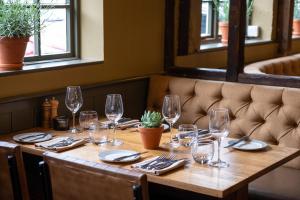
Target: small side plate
{"x": 32, "y": 137}
{"x": 110, "y": 155}
{"x": 253, "y": 145}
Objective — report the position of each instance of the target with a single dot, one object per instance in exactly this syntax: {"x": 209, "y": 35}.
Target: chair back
{"x": 67, "y": 177}
{"x": 13, "y": 184}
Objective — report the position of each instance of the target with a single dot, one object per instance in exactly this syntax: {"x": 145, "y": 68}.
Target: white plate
{"x": 166, "y": 127}
{"x": 252, "y": 145}
{"x": 32, "y": 137}
{"x": 110, "y": 155}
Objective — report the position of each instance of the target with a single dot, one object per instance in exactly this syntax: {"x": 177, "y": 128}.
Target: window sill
{"x": 221, "y": 46}
{"x": 50, "y": 65}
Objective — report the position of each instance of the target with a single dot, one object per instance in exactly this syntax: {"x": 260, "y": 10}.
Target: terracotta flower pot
{"x": 12, "y": 52}
{"x": 151, "y": 137}
{"x": 296, "y": 27}
{"x": 223, "y": 26}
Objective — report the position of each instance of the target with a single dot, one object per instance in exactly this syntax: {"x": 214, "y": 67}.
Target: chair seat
{"x": 280, "y": 184}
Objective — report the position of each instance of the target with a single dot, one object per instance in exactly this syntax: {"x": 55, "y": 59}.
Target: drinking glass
{"x": 171, "y": 112}
{"x": 114, "y": 111}
{"x": 87, "y": 119}
{"x": 98, "y": 134}
{"x": 73, "y": 102}
{"x": 219, "y": 128}
{"x": 186, "y": 134}
{"x": 202, "y": 151}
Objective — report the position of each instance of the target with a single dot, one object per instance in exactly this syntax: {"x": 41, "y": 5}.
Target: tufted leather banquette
{"x": 288, "y": 65}
{"x": 266, "y": 113}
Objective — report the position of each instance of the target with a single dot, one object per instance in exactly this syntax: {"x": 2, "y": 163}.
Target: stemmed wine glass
{"x": 114, "y": 111}
{"x": 73, "y": 102}
{"x": 219, "y": 128}
{"x": 171, "y": 111}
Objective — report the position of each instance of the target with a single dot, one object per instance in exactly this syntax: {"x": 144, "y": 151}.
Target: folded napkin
{"x": 157, "y": 172}
{"x": 60, "y": 144}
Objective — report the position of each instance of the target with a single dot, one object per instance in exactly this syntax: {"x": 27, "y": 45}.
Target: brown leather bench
{"x": 288, "y": 65}
{"x": 267, "y": 113}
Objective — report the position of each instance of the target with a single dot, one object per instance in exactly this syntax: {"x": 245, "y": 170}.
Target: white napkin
{"x": 47, "y": 144}
{"x": 175, "y": 165}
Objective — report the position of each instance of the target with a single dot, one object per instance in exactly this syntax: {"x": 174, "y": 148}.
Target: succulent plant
{"x": 151, "y": 119}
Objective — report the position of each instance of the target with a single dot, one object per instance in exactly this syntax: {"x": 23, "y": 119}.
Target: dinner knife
{"x": 237, "y": 141}
{"x": 128, "y": 156}
{"x": 25, "y": 139}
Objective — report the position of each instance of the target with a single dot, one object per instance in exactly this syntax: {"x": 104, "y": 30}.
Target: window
{"x": 57, "y": 38}
{"x": 259, "y": 22}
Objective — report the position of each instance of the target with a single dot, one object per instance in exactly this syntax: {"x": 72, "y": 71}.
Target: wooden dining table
{"x": 220, "y": 183}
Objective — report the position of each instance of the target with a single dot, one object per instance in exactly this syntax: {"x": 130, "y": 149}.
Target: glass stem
{"x": 73, "y": 114}
{"x": 114, "y": 132}
{"x": 171, "y": 133}
{"x": 219, "y": 150}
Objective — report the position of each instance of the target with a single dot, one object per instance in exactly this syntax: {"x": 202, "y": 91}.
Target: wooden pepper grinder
{"x": 46, "y": 114}
{"x": 54, "y": 105}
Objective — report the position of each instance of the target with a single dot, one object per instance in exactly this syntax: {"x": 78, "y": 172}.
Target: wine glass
{"x": 73, "y": 102}
{"x": 219, "y": 128}
{"x": 171, "y": 112}
{"x": 114, "y": 111}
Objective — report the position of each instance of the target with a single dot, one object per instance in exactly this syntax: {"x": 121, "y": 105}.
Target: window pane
{"x": 206, "y": 19}
{"x": 54, "y": 35}
{"x": 55, "y": 1}
{"x": 30, "y": 50}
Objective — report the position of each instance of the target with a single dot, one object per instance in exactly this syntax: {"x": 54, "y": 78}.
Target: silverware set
{"x": 32, "y": 138}
{"x": 63, "y": 143}
{"x": 161, "y": 162}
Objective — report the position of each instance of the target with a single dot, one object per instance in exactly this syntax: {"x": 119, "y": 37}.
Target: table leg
{"x": 241, "y": 194}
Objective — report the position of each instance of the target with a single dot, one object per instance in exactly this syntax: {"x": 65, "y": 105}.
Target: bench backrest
{"x": 267, "y": 113}
{"x": 288, "y": 65}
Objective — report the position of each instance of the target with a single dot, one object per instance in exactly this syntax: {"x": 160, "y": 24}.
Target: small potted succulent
{"x": 151, "y": 129}
{"x": 296, "y": 21}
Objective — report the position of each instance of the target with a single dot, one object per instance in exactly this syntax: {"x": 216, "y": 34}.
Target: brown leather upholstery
{"x": 267, "y": 113}
{"x": 288, "y": 65}
{"x": 13, "y": 183}
{"x": 282, "y": 183}
{"x": 73, "y": 178}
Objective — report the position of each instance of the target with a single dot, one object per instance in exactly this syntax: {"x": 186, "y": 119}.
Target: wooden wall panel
{"x": 21, "y": 113}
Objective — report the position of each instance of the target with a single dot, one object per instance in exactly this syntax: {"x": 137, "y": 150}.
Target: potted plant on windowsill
{"x": 18, "y": 21}
{"x": 222, "y": 8}
{"x": 151, "y": 129}
{"x": 296, "y": 21}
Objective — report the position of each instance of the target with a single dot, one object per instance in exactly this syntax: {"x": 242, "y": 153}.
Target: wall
{"x": 133, "y": 46}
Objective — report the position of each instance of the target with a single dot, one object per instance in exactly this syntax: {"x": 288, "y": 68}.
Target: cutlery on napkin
{"x": 61, "y": 144}
{"x": 160, "y": 167}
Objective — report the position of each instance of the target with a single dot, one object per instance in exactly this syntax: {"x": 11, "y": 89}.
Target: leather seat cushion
{"x": 282, "y": 183}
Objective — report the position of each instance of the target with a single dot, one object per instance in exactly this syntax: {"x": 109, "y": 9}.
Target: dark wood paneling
{"x": 169, "y": 33}
{"x": 201, "y": 73}
{"x": 236, "y": 39}
{"x": 19, "y": 113}
{"x": 183, "y": 35}
{"x": 274, "y": 80}
{"x": 5, "y": 122}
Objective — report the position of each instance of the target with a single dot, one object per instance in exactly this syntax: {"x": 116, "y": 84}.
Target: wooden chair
{"x": 13, "y": 183}
{"x": 66, "y": 177}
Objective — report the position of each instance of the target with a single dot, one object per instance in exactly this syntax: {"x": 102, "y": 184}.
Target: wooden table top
{"x": 244, "y": 166}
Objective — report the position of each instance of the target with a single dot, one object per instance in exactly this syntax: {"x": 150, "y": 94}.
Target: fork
{"x": 167, "y": 161}
{"x": 161, "y": 157}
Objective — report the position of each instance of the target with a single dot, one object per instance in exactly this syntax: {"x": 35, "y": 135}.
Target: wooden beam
{"x": 169, "y": 33}
{"x": 236, "y": 40}
{"x": 183, "y": 36}
{"x": 200, "y": 73}
{"x": 285, "y": 26}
